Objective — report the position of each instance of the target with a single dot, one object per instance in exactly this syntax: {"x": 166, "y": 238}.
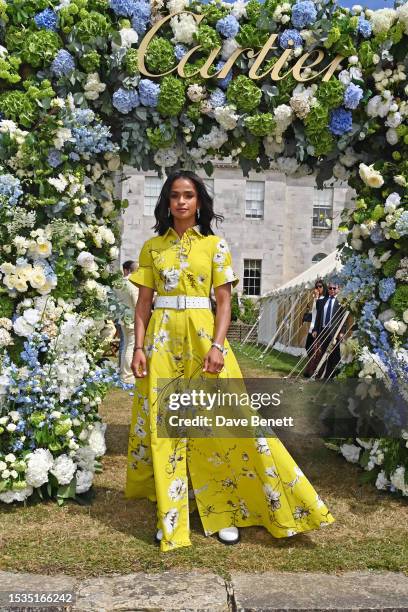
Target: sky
{"x": 372, "y": 4}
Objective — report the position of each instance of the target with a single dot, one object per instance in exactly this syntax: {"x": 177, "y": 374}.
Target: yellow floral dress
{"x": 231, "y": 481}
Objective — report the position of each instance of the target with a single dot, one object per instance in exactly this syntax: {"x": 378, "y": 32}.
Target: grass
{"x": 114, "y": 535}
{"x": 273, "y": 362}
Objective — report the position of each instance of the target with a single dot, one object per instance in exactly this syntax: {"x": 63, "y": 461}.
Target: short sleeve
{"x": 144, "y": 274}
{"x": 222, "y": 271}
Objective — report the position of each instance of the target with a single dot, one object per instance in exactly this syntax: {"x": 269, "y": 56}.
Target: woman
{"x": 318, "y": 295}
{"x": 236, "y": 482}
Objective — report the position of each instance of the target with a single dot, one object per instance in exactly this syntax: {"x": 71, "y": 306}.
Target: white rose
{"x": 22, "y": 327}
{"x": 11, "y": 427}
{"x": 86, "y": 260}
{"x": 32, "y": 316}
{"x": 10, "y": 458}
{"x": 371, "y": 177}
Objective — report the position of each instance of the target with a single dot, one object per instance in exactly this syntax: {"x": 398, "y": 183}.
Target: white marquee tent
{"x": 282, "y": 309}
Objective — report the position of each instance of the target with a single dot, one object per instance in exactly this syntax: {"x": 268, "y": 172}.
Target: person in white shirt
{"x": 128, "y": 295}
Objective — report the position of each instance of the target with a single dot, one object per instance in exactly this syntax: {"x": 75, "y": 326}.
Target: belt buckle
{"x": 181, "y": 302}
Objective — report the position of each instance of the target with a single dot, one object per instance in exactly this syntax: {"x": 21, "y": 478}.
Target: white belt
{"x": 181, "y": 302}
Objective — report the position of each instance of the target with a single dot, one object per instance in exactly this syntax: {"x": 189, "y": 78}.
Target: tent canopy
{"x": 306, "y": 280}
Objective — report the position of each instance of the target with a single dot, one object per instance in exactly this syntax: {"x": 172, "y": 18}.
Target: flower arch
{"x": 318, "y": 88}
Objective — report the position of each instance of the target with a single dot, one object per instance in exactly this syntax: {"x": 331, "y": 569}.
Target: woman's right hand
{"x": 139, "y": 365}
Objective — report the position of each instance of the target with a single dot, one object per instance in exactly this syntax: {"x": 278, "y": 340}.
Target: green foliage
{"x": 390, "y": 267}
{"x": 131, "y": 62}
{"x": 90, "y": 61}
{"x": 235, "y": 309}
{"x": 250, "y": 310}
{"x": 260, "y": 124}
{"x": 40, "y": 47}
{"x": 171, "y": 97}
{"x": 244, "y": 93}
{"x": 18, "y": 106}
{"x": 213, "y": 12}
{"x": 399, "y": 301}
{"x": 9, "y": 66}
{"x": 251, "y": 149}
{"x": 160, "y": 56}
{"x": 91, "y": 27}
{"x": 207, "y": 37}
{"x": 251, "y": 36}
{"x": 330, "y": 93}
{"x": 162, "y": 136}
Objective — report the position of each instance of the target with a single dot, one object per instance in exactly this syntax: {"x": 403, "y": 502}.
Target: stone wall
{"x": 284, "y": 239}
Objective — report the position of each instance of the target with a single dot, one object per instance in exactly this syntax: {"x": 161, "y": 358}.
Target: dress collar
{"x": 195, "y": 228}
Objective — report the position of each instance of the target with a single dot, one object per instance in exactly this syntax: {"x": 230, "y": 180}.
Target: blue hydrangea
{"x": 125, "y": 100}
{"x": 401, "y": 224}
{"x": 141, "y": 17}
{"x": 223, "y": 83}
{"x": 10, "y": 187}
{"x": 217, "y": 98}
{"x": 340, "y": 121}
{"x": 386, "y": 288}
{"x": 74, "y": 156}
{"x": 357, "y": 278}
{"x": 180, "y": 51}
{"x": 148, "y": 92}
{"x": 227, "y": 26}
{"x": 364, "y": 27}
{"x": 290, "y": 36}
{"x": 303, "y": 14}
{"x": 47, "y": 19}
{"x": 63, "y": 63}
{"x": 82, "y": 116}
{"x": 377, "y": 235}
{"x": 54, "y": 158}
{"x": 93, "y": 139}
{"x": 352, "y": 96}
{"x": 123, "y": 8}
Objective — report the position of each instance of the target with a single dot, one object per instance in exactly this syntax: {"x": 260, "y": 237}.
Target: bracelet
{"x": 219, "y": 347}
{"x": 138, "y": 347}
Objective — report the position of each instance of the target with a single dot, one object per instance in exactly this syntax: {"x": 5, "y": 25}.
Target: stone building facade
{"x": 276, "y": 226}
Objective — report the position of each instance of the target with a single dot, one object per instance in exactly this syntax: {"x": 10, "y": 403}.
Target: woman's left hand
{"x": 213, "y": 361}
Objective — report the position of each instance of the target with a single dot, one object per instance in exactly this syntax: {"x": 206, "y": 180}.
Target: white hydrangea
{"x": 196, "y": 92}
{"x": 372, "y": 364}
{"x": 379, "y": 106}
{"x": 184, "y": 27}
{"x": 228, "y": 47}
{"x": 226, "y": 116}
{"x": 402, "y": 15}
{"x": 391, "y": 136}
{"x": 87, "y": 261}
{"x": 93, "y": 86}
{"x": 382, "y": 20}
{"x": 272, "y": 147}
{"x": 300, "y": 104}
{"x": 85, "y": 458}
{"x": 382, "y": 481}
{"x": 238, "y": 9}
{"x": 63, "y": 469}
{"x": 283, "y": 116}
{"x": 287, "y": 165}
{"x": 38, "y": 465}
{"x": 96, "y": 439}
{"x": 20, "y": 495}
{"x": 214, "y": 139}
{"x": 166, "y": 157}
{"x": 398, "y": 480}
{"x": 350, "y": 452}
{"x": 84, "y": 479}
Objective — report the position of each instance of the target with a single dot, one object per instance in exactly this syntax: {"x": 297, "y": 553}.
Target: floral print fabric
{"x": 231, "y": 481}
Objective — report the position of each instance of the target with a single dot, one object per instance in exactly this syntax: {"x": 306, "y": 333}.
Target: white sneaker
{"x": 229, "y": 535}
{"x": 159, "y": 536}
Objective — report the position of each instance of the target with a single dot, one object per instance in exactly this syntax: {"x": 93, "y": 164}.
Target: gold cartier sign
{"x": 317, "y": 56}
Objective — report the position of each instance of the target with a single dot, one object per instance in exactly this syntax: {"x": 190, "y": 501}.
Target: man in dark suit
{"x": 328, "y": 318}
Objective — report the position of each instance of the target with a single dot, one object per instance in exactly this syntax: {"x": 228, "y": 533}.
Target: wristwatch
{"x": 220, "y": 348}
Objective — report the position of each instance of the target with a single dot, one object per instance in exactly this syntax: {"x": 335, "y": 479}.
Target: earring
{"x": 169, "y": 214}
{"x": 198, "y": 214}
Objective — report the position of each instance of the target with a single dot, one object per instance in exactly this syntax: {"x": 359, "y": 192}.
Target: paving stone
{"x": 365, "y": 590}
{"x": 35, "y": 584}
{"x": 169, "y": 591}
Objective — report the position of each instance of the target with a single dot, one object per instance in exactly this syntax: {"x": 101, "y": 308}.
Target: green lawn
{"x": 115, "y": 535}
